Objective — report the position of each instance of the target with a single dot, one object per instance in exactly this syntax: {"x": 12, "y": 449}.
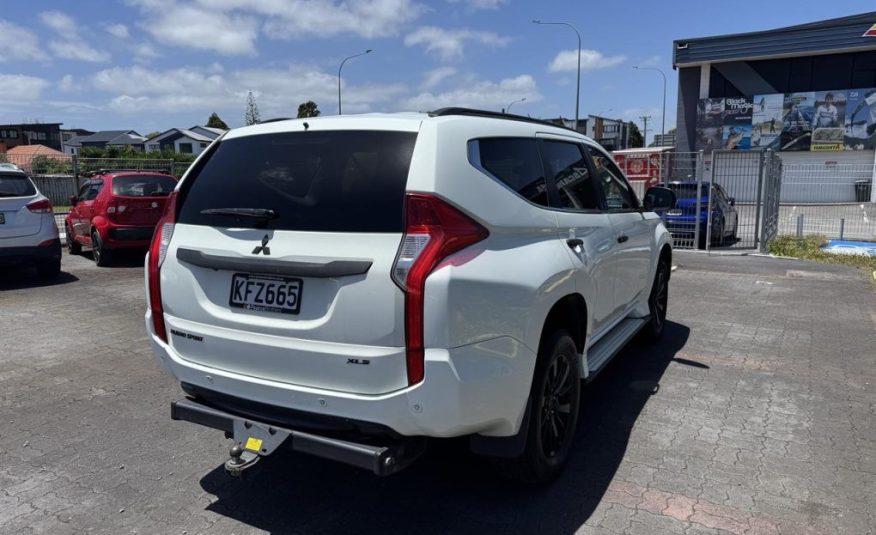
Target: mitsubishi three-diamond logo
{"x": 263, "y": 248}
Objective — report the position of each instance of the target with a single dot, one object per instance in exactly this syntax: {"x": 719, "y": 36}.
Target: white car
{"x": 28, "y": 232}
{"x": 348, "y": 286}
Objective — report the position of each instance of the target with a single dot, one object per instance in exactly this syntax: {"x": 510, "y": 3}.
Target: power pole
{"x": 645, "y": 119}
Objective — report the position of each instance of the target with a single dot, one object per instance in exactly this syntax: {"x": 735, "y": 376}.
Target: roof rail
{"x": 274, "y": 120}
{"x": 470, "y": 112}
{"x": 105, "y": 171}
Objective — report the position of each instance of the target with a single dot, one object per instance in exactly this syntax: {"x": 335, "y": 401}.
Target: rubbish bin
{"x": 862, "y": 190}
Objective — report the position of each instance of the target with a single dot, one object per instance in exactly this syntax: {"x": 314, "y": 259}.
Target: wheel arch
{"x": 568, "y": 313}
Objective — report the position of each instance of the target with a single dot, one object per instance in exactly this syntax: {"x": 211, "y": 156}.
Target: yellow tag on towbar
{"x": 253, "y": 444}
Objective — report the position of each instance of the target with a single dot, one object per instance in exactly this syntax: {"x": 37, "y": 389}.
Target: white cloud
{"x": 199, "y": 27}
{"x": 70, "y": 44}
{"x": 478, "y": 94}
{"x": 22, "y": 88}
{"x": 67, "y": 83}
{"x": 450, "y": 44}
{"x": 118, "y": 30}
{"x": 567, "y": 60}
{"x": 144, "y": 51}
{"x": 480, "y": 4}
{"x": 435, "y": 76}
{"x": 18, "y": 43}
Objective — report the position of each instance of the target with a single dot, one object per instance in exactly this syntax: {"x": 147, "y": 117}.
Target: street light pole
{"x": 663, "y": 126}
{"x": 508, "y": 109}
{"x": 339, "y": 75}
{"x": 578, "y": 86}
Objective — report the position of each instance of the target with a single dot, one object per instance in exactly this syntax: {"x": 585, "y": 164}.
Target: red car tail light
{"x": 157, "y": 254}
{"x": 43, "y": 206}
{"x": 434, "y": 230}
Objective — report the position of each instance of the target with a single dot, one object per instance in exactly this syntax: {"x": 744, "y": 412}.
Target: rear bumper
{"x": 49, "y": 251}
{"x": 476, "y": 389}
{"x": 128, "y": 237}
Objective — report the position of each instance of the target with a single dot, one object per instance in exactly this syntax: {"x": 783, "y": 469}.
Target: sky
{"x": 151, "y": 65}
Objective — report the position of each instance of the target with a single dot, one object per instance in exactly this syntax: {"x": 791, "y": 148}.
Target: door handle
{"x": 574, "y": 242}
{"x": 622, "y": 238}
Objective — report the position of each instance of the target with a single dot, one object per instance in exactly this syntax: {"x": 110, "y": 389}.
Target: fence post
{"x": 75, "y": 160}
{"x": 698, "y": 171}
{"x": 765, "y": 160}
{"x": 800, "y": 226}
{"x": 842, "y": 227}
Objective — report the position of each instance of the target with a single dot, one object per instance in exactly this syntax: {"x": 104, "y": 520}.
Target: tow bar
{"x": 254, "y": 440}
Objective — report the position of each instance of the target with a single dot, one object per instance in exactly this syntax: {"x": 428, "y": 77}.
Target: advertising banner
{"x": 710, "y": 124}
{"x": 766, "y": 121}
{"x": 860, "y": 120}
{"x": 828, "y": 123}
{"x": 798, "y": 113}
{"x": 737, "y": 123}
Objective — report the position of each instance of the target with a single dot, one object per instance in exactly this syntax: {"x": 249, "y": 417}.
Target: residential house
{"x": 12, "y": 135}
{"x": 23, "y": 156}
{"x": 68, "y": 135}
{"x": 103, "y": 139}
{"x": 184, "y": 140}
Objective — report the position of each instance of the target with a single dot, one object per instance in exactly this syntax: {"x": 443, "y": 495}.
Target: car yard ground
{"x": 756, "y": 414}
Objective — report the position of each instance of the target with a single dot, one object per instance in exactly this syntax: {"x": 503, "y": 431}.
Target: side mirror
{"x": 658, "y": 198}
{"x": 73, "y": 200}
{"x": 732, "y": 201}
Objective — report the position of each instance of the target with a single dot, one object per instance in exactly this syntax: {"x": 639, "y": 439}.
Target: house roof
{"x": 75, "y": 141}
{"x": 104, "y": 136}
{"x": 127, "y": 139}
{"x": 216, "y": 132}
{"x": 180, "y": 132}
{"x": 23, "y": 151}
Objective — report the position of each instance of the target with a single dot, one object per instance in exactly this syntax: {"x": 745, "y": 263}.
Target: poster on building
{"x": 737, "y": 123}
{"x": 828, "y": 122}
{"x": 797, "y": 114}
{"x": 766, "y": 121}
{"x": 710, "y": 124}
{"x": 860, "y": 120}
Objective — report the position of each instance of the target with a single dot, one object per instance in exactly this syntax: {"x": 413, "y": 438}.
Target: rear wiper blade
{"x": 252, "y": 213}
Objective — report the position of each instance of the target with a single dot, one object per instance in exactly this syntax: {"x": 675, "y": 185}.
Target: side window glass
{"x": 618, "y": 193}
{"x": 93, "y": 191}
{"x": 83, "y": 190}
{"x": 571, "y": 175}
{"x": 517, "y": 164}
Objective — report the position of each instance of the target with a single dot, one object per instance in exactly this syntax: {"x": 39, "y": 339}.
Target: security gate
{"x": 743, "y": 199}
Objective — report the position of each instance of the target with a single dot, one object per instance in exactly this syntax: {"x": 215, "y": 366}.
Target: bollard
{"x": 800, "y": 226}
{"x": 842, "y": 227}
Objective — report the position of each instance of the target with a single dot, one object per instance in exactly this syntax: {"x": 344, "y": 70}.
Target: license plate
{"x": 264, "y": 293}
{"x": 673, "y": 212}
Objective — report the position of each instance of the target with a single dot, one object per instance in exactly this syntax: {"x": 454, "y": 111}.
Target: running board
{"x": 607, "y": 347}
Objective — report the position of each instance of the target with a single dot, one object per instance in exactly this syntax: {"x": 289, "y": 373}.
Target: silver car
{"x": 28, "y": 232}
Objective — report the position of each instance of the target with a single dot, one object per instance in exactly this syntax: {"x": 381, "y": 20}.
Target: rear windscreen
{"x": 688, "y": 191}
{"x": 143, "y": 186}
{"x": 335, "y": 181}
{"x": 16, "y": 186}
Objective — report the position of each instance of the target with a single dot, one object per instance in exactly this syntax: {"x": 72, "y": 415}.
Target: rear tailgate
{"x": 16, "y": 192}
{"x": 303, "y": 297}
{"x": 138, "y": 200}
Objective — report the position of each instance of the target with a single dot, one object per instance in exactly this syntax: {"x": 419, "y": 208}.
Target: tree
{"x": 308, "y": 109}
{"x": 252, "y": 110}
{"x": 635, "y": 136}
{"x": 215, "y": 122}
{"x": 150, "y": 135}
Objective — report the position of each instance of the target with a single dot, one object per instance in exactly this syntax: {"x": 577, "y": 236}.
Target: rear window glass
{"x": 516, "y": 162}
{"x": 16, "y": 186}
{"x": 336, "y": 181}
{"x": 689, "y": 191}
{"x": 143, "y": 186}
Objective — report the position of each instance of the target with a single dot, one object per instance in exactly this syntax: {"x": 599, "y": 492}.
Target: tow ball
{"x": 252, "y": 441}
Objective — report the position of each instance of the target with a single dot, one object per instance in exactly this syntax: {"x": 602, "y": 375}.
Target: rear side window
{"x": 143, "y": 186}
{"x": 517, "y": 164}
{"x": 618, "y": 193}
{"x": 16, "y": 186}
{"x": 571, "y": 175}
{"x": 335, "y": 181}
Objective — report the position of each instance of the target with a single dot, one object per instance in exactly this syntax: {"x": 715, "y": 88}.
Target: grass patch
{"x": 809, "y": 248}
{"x": 61, "y": 209}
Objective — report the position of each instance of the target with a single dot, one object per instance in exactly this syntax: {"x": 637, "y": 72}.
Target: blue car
{"x": 682, "y": 220}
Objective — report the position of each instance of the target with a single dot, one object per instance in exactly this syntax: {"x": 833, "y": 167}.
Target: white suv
{"x": 28, "y": 232}
{"x": 348, "y": 286}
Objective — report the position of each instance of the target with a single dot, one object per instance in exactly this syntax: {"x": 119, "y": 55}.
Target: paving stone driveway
{"x": 757, "y": 414}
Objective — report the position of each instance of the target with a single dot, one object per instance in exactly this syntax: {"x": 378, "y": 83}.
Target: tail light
{"x": 157, "y": 253}
{"x": 434, "y": 230}
{"x": 43, "y": 206}
{"x": 115, "y": 208}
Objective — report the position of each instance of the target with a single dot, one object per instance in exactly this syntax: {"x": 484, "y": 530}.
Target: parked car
{"x": 116, "y": 210}
{"x": 682, "y": 220}
{"x": 349, "y": 286}
{"x": 28, "y": 233}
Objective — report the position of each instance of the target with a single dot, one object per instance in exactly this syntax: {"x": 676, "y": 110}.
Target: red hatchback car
{"x": 116, "y": 210}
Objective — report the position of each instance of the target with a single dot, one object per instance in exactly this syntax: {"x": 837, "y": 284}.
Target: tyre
{"x": 555, "y": 398}
{"x": 102, "y": 256}
{"x": 50, "y": 269}
{"x": 657, "y": 302}
{"x": 73, "y": 247}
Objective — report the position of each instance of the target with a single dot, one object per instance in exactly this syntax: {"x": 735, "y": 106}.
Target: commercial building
{"x": 13, "y": 135}
{"x": 807, "y": 92}
{"x": 613, "y": 134}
